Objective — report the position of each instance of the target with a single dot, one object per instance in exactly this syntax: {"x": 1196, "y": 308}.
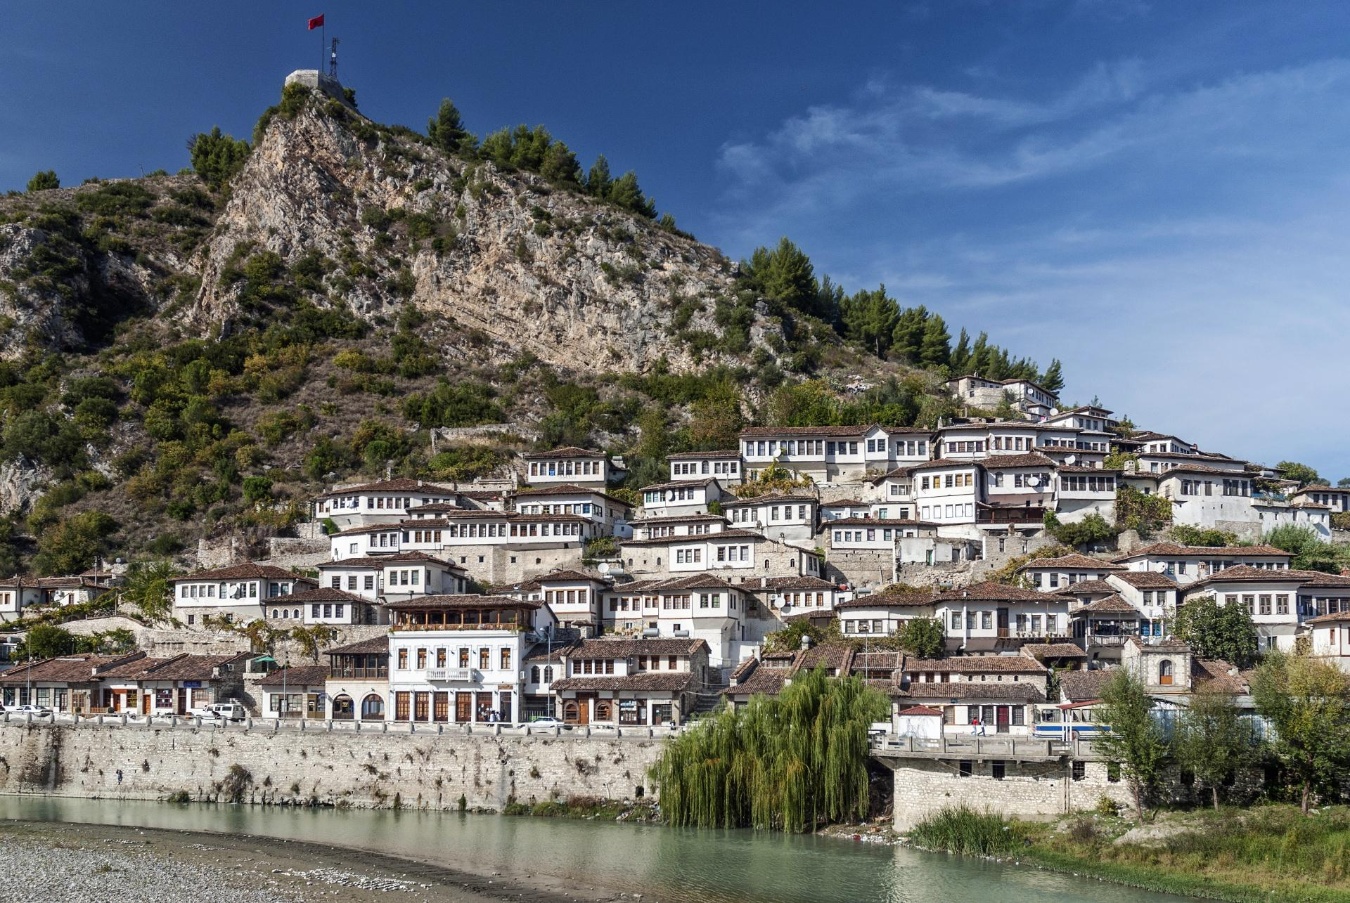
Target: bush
{"x": 960, "y": 829}
{"x": 44, "y": 181}
{"x": 216, "y": 157}
{"x": 454, "y": 404}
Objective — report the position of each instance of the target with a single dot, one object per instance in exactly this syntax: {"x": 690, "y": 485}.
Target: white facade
{"x": 725, "y": 467}
{"x": 680, "y": 498}
{"x": 568, "y": 465}
{"x": 386, "y": 501}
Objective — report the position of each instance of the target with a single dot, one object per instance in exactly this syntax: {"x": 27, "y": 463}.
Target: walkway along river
{"x": 666, "y": 865}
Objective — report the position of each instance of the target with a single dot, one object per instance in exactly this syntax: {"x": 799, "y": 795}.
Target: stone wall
{"x": 1027, "y": 789}
{"x": 861, "y": 568}
{"x": 371, "y": 768}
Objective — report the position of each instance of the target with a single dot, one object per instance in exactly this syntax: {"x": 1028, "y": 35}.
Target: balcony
{"x": 453, "y": 675}
{"x": 379, "y": 673}
{"x": 1023, "y": 515}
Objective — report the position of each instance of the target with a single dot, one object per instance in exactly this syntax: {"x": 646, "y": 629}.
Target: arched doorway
{"x": 343, "y": 708}
{"x": 604, "y": 710}
{"x": 372, "y": 708}
{"x": 571, "y": 711}
{"x": 1165, "y": 673}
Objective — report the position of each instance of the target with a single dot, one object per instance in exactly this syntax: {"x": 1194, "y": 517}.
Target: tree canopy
{"x": 1136, "y": 742}
{"x": 1292, "y": 470}
{"x": 446, "y": 130}
{"x": 216, "y": 157}
{"x": 1218, "y": 631}
{"x": 1307, "y": 701}
{"x": 44, "y": 181}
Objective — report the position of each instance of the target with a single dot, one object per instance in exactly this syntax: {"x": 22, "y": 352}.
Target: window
{"x": 484, "y": 659}
{"x": 1165, "y": 672}
{"x": 997, "y": 769}
{"x": 956, "y": 620}
{"x": 403, "y": 659}
{"x": 506, "y": 659}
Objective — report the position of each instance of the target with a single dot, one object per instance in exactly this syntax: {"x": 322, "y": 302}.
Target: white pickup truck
{"x": 221, "y": 711}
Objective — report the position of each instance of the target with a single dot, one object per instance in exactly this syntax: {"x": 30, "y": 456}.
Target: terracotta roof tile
{"x": 1143, "y": 579}
{"x": 296, "y": 676}
{"x": 988, "y": 591}
{"x": 1072, "y": 561}
{"x": 1083, "y": 686}
{"x": 977, "y": 664}
{"x": 650, "y": 681}
{"x": 566, "y": 451}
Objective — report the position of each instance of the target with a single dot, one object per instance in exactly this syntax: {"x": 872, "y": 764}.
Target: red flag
{"x": 315, "y": 22}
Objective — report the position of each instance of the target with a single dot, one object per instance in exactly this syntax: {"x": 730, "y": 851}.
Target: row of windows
{"x": 745, "y": 515}
{"x": 947, "y": 481}
{"x": 240, "y": 591}
{"x": 567, "y": 596}
{"x": 1087, "y": 484}
{"x": 695, "y": 468}
{"x": 566, "y": 508}
{"x": 442, "y": 657}
{"x": 870, "y": 534}
{"x": 688, "y": 556}
{"x": 1053, "y": 578}
{"x": 1260, "y": 603}
{"x": 656, "y": 497}
{"x": 948, "y": 511}
{"x": 566, "y": 468}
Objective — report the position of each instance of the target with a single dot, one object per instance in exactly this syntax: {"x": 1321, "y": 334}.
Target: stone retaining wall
{"x": 372, "y": 768}
{"x": 1026, "y": 790}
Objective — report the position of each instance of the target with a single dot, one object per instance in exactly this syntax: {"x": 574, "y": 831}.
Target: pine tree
{"x": 446, "y": 130}
{"x": 785, "y": 276}
{"x": 1053, "y": 378}
{"x": 598, "y": 179}
{"x": 907, "y": 337}
{"x": 44, "y": 181}
{"x": 870, "y": 319}
{"x": 960, "y": 360}
{"x": 936, "y": 349}
{"x": 626, "y": 193}
{"x": 560, "y": 166}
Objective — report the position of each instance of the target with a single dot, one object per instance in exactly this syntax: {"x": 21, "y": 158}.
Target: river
{"x": 666, "y": 865}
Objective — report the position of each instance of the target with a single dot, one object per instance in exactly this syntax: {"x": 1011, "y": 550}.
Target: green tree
{"x": 923, "y": 637}
{"x": 1136, "y": 742}
{"x": 785, "y": 276}
{"x": 960, "y": 359}
{"x": 216, "y": 157}
{"x": 148, "y": 588}
{"x": 1309, "y": 551}
{"x": 598, "y": 180}
{"x": 43, "y": 641}
{"x": 1218, "y": 631}
{"x": 626, "y": 193}
{"x": 1292, "y": 470}
{"x": 907, "y": 335}
{"x": 446, "y": 130}
{"x": 1305, "y": 700}
{"x": 785, "y": 763}
{"x": 74, "y": 544}
{"x": 1343, "y": 482}
{"x": 1213, "y": 740}
{"x": 715, "y": 420}
{"x": 936, "y": 347}
{"x": 1053, "y": 378}
{"x": 870, "y": 318}
{"x": 313, "y": 640}
{"x": 44, "y": 181}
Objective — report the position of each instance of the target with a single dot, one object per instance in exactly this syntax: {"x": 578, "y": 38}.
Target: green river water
{"x": 666, "y": 865}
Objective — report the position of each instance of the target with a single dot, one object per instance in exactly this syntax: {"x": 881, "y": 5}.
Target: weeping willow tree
{"x": 785, "y": 763}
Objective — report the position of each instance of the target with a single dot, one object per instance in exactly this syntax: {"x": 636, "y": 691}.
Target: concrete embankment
{"x": 375, "y": 767}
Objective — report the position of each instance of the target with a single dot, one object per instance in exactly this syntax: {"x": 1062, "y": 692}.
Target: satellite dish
{"x": 1069, "y": 459}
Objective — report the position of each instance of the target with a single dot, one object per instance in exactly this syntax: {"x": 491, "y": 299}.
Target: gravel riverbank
{"x": 76, "y": 863}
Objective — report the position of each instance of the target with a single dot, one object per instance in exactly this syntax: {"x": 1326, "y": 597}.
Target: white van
{"x": 222, "y": 711}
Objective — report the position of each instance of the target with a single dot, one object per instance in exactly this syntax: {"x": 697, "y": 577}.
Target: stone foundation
{"x": 1026, "y": 790}
{"x": 373, "y": 768}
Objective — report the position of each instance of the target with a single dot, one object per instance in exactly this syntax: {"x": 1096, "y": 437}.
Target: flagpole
{"x": 323, "y": 44}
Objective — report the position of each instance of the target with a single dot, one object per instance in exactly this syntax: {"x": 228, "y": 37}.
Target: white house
{"x": 1336, "y": 498}
{"x": 883, "y": 613}
{"x": 1048, "y": 574}
{"x": 947, "y": 491}
{"x": 578, "y": 466}
{"x": 238, "y": 592}
{"x": 1330, "y": 637}
{"x": 1270, "y": 596}
{"x": 680, "y": 498}
{"x": 630, "y": 682}
{"x": 387, "y": 577}
{"x": 1081, "y": 491}
{"x": 989, "y": 616}
{"x": 574, "y": 597}
{"x": 791, "y": 518}
{"x": 609, "y": 513}
{"x": 459, "y": 658}
{"x": 1186, "y": 564}
{"x": 826, "y": 454}
{"x": 323, "y": 605}
{"x": 381, "y": 502}
{"x": 724, "y": 466}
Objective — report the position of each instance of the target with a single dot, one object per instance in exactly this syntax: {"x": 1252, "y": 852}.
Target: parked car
{"x": 221, "y": 711}
{"x": 37, "y": 711}
{"x": 549, "y": 721}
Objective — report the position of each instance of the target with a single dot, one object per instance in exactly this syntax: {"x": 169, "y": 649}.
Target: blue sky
{"x": 1156, "y": 193}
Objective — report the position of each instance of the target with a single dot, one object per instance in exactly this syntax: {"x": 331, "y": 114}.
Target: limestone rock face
{"x": 21, "y": 485}
{"x": 511, "y": 263}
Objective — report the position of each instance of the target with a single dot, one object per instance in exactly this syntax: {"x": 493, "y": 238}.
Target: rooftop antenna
{"x": 332, "y": 61}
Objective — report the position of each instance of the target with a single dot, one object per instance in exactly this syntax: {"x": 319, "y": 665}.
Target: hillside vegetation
{"x": 198, "y": 354}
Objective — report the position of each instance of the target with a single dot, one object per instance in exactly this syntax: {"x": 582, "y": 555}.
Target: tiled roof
{"x": 1218, "y": 675}
{"x": 762, "y": 680}
{"x": 774, "y": 432}
{"x": 943, "y": 462}
{"x": 678, "y": 519}
{"x": 625, "y": 648}
{"x": 1245, "y": 573}
{"x": 1342, "y": 617}
{"x": 891, "y": 598}
{"x": 1072, "y": 561}
{"x": 245, "y": 571}
{"x": 999, "y": 462}
{"x": 875, "y": 522}
{"x": 179, "y": 667}
{"x": 398, "y": 485}
{"x": 1084, "y": 588}
{"x": 1043, "y": 651}
{"x": 1082, "y": 686}
{"x": 296, "y": 676}
{"x": 701, "y": 537}
{"x": 1144, "y": 579}
{"x": 567, "y": 451}
{"x": 1111, "y": 605}
{"x": 988, "y": 591}
{"x": 977, "y": 664}
{"x": 372, "y": 646}
{"x": 461, "y": 601}
{"x": 920, "y": 710}
{"x": 569, "y": 489}
{"x": 769, "y": 498}
{"x": 382, "y": 561}
{"x": 720, "y": 453}
{"x": 974, "y": 689}
{"x": 679, "y": 484}
{"x": 791, "y": 583}
{"x": 65, "y": 669}
{"x": 650, "y": 681}
{"x": 1175, "y": 550}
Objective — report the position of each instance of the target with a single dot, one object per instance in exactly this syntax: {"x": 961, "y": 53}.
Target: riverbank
{"x": 81, "y": 863}
{"x": 1268, "y": 854}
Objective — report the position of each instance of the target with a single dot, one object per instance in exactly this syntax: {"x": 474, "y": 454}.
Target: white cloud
{"x": 1178, "y": 247}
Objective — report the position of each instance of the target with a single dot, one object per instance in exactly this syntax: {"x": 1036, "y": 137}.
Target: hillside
{"x": 197, "y": 354}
